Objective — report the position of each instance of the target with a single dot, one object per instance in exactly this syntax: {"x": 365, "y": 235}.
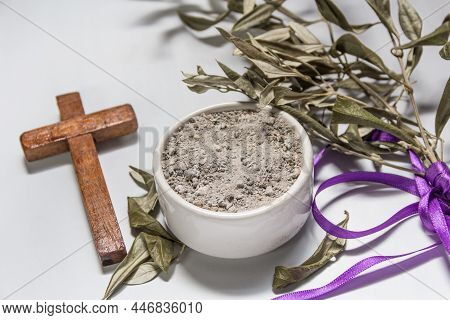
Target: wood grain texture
{"x": 78, "y": 133}
{"x": 103, "y": 125}
{"x": 102, "y": 219}
{"x": 70, "y": 105}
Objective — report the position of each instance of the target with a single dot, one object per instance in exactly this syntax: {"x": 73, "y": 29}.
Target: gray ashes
{"x": 233, "y": 160}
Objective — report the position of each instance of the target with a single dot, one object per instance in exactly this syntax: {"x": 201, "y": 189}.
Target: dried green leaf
{"x": 267, "y": 95}
{"x": 367, "y": 70}
{"x": 198, "y": 88}
{"x": 236, "y": 6}
{"x": 256, "y": 77}
{"x": 350, "y": 84}
{"x": 200, "y": 23}
{"x": 328, "y": 249}
{"x": 249, "y": 50}
{"x": 136, "y": 256}
{"x": 143, "y": 179}
{"x": 346, "y": 110}
{"x": 352, "y": 138}
{"x": 303, "y": 33}
{"x": 311, "y": 48}
{"x": 285, "y": 95}
{"x": 160, "y": 249}
{"x": 438, "y": 37}
{"x": 208, "y": 80}
{"x": 445, "y": 51}
{"x": 241, "y": 82}
{"x": 310, "y": 122}
{"x": 413, "y": 59}
{"x": 258, "y": 15}
{"x": 144, "y": 247}
{"x": 140, "y": 208}
{"x": 272, "y": 71}
{"x": 142, "y": 220}
{"x": 144, "y": 273}
{"x": 332, "y": 13}
{"x": 248, "y": 6}
{"x": 146, "y": 181}
{"x": 201, "y": 71}
{"x": 275, "y": 35}
{"x": 349, "y": 44}
{"x": 383, "y": 11}
{"x": 443, "y": 111}
{"x": 283, "y": 48}
{"x": 410, "y": 20}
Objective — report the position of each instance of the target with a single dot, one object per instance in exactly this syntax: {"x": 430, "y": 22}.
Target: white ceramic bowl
{"x": 242, "y": 234}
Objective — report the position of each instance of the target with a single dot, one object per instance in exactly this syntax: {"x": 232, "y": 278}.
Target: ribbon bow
{"x": 433, "y": 207}
{"x": 434, "y": 193}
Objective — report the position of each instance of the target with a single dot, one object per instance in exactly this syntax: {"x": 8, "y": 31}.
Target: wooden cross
{"x": 78, "y": 133}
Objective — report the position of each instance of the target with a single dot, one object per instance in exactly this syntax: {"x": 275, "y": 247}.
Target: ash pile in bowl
{"x": 233, "y": 161}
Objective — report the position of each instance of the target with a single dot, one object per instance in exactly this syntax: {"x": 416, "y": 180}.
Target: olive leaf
{"x": 267, "y": 95}
{"x": 161, "y": 250}
{"x": 143, "y": 221}
{"x": 202, "y": 83}
{"x": 445, "y": 51}
{"x": 153, "y": 249}
{"x": 443, "y": 111}
{"x": 348, "y": 111}
{"x": 255, "y": 17}
{"x": 332, "y": 13}
{"x": 349, "y": 44}
{"x": 144, "y": 273}
{"x": 303, "y": 33}
{"x": 383, "y": 11}
{"x": 352, "y": 137}
{"x": 328, "y": 249}
{"x": 158, "y": 240}
{"x": 249, "y": 50}
{"x": 350, "y": 84}
{"x": 410, "y": 20}
{"x": 200, "y": 23}
{"x": 147, "y": 182}
{"x": 272, "y": 71}
{"x": 136, "y": 256}
{"x": 248, "y": 6}
{"x": 412, "y": 60}
{"x": 310, "y": 121}
{"x": 276, "y": 35}
{"x": 144, "y": 247}
{"x": 285, "y": 95}
{"x": 143, "y": 179}
{"x": 236, "y": 6}
{"x": 438, "y": 37}
{"x": 242, "y": 83}
{"x": 366, "y": 70}
{"x": 140, "y": 208}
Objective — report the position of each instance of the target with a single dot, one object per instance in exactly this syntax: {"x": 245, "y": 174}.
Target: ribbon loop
{"x": 438, "y": 176}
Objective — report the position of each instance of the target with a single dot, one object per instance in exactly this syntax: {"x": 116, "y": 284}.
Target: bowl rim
{"x": 302, "y": 180}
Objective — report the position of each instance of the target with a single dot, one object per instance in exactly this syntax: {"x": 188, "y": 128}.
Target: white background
{"x": 121, "y": 51}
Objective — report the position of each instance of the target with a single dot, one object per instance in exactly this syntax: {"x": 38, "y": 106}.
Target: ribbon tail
{"x": 439, "y": 222}
{"x": 318, "y": 157}
{"x": 347, "y": 276}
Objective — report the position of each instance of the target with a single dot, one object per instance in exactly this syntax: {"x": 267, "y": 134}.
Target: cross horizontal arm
{"x": 103, "y": 125}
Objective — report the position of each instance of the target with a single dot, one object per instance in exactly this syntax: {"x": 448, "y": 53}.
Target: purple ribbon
{"x": 383, "y": 136}
{"x": 433, "y": 207}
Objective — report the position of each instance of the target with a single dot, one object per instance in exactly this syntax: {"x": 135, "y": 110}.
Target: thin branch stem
{"x": 373, "y": 93}
{"x": 378, "y": 161}
{"x": 407, "y": 85}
